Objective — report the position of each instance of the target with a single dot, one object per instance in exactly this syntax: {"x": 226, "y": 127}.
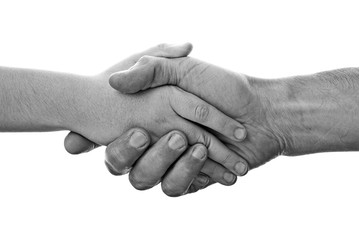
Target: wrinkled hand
{"x": 239, "y": 96}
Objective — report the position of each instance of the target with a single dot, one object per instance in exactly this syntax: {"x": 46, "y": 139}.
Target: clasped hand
{"x": 209, "y": 126}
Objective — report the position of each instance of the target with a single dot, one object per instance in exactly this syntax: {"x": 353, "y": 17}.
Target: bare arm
{"x": 315, "y": 113}
{"x": 35, "y": 100}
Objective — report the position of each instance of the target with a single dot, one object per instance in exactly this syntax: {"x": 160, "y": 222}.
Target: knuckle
{"x": 145, "y": 59}
{"x": 201, "y": 112}
{"x": 204, "y": 138}
{"x": 228, "y": 158}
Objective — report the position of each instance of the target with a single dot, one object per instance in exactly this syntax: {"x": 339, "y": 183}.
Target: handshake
{"x": 171, "y": 119}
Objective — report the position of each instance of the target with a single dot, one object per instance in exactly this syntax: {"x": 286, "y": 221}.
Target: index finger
{"x": 195, "y": 109}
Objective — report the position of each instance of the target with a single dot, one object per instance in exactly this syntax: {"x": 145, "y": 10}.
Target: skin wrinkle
{"x": 190, "y": 70}
{"x": 201, "y": 113}
{"x": 304, "y": 122}
{"x": 268, "y": 99}
{"x": 159, "y": 72}
{"x": 323, "y": 137}
{"x": 267, "y": 112}
{"x": 205, "y": 140}
{"x": 177, "y": 80}
{"x": 302, "y": 126}
{"x": 343, "y": 84}
{"x": 254, "y": 155}
{"x": 334, "y": 111}
{"x": 204, "y": 69}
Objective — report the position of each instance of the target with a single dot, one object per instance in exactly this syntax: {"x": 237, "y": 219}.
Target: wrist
{"x": 78, "y": 95}
{"x": 313, "y": 113}
{"x": 97, "y": 111}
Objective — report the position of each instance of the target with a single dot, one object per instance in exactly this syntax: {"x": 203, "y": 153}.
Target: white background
{"x": 46, "y": 193}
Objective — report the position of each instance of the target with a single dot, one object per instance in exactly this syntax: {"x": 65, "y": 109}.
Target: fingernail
{"x": 240, "y": 133}
{"x": 229, "y": 177}
{"x": 138, "y": 139}
{"x": 176, "y": 142}
{"x": 240, "y": 168}
{"x": 199, "y": 152}
{"x": 202, "y": 179}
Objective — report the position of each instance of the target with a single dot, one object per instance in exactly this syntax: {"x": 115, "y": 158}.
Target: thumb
{"x": 138, "y": 77}
{"x": 161, "y": 50}
{"x": 150, "y": 72}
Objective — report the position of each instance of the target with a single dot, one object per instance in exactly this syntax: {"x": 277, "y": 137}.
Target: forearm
{"x": 315, "y": 113}
{"x": 34, "y": 100}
